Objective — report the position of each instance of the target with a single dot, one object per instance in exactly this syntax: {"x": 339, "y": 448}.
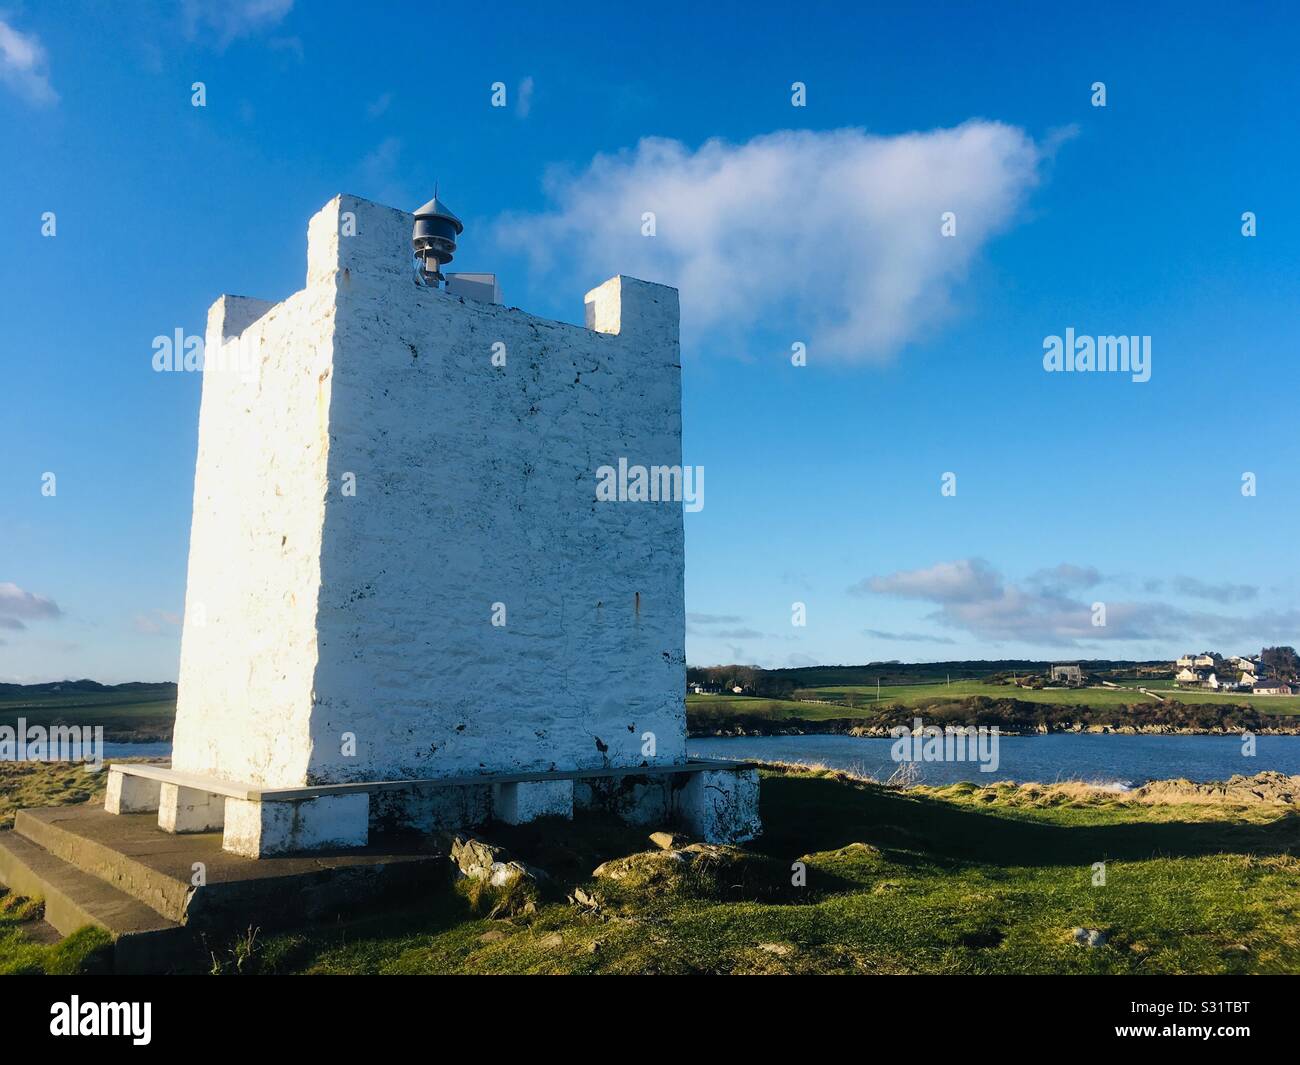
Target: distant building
{"x": 1241, "y": 673}
{"x": 1272, "y": 687}
{"x": 1072, "y": 675}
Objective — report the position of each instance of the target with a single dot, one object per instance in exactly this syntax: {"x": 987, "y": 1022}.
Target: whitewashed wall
{"x": 371, "y": 614}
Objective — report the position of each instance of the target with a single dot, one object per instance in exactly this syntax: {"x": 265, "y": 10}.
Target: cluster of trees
{"x": 750, "y": 679}
{"x": 1281, "y": 662}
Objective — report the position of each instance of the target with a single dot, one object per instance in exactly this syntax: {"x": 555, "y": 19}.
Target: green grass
{"x": 959, "y": 879}
{"x": 26, "y": 951}
{"x": 1265, "y": 704}
{"x": 706, "y": 709}
{"x": 46, "y": 784}
{"x": 927, "y": 694}
{"x": 125, "y": 716}
{"x": 951, "y": 880}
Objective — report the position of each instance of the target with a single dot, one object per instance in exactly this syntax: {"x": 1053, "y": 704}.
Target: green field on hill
{"x": 137, "y": 715}
{"x": 926, "y": 694}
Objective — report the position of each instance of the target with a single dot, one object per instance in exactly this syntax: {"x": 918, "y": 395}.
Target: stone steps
{"x": 144, "y": 940}
{"x": 110, "y": 858}
{"x": 156, "y": 891}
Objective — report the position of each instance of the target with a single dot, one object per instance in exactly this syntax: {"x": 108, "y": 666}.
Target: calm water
{"x": 1128, "y": 760}
{"x": 137, "y": 750}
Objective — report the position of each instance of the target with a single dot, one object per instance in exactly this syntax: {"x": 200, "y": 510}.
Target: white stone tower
{"x": 400, "y": 571}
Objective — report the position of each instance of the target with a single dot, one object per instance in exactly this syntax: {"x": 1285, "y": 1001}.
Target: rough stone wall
{"x": 475, "y": 485}
{"x": 248, "y": 647}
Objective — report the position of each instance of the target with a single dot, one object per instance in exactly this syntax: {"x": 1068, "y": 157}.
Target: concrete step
{"x": 144, "y": 940}
{"x": 187, "y": 878}
{"x": 118, "y": 852}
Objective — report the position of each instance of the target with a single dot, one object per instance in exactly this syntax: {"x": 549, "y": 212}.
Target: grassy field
{"x": 950, "y": 880}
{"x": 126, "y": 716}
{"x": 706, "y": 710}
{"x": 925, "y": 694}
{"x": 1013, "y": 709}
{"x": 46, "y": 784}
{"x": 1128, "y": 694}
{"x": 27, "y": 947}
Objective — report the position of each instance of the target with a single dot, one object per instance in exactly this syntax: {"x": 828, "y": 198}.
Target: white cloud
{"x": 974, "y": 598}
{"x": 966, "y": 580}
{"x": 23, "y": 65}
{"x": 17, "y": 605}
{"x": 831, "y": 237}
{"x": 228, "y": 20}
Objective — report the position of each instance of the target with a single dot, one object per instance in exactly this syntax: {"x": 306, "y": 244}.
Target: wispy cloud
{"x": 524, "y": 98}
{"x": 379, "y": 105}
{"x": 964, "y": 581}
{"x": 1218, "y": 593}
{"x": 24, "y": 65}
{"x": 833, "y": 236}
{"x": 973, "y": 597}
{"x": 380, "y": 175}
{"x": 156, "y": 622}
{"x": 18, "y": 606}
{"x": 906, "y": 637}
{"x": 226, "y": 21}
{"x": 713, "y": 619}
{"x": 1067, "y": 576}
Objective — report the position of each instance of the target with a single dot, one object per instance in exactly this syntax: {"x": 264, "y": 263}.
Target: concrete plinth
{"x": 519, "y": 802}
{"x": 257, "y": 828}
{"x": 182, "y": 809}
{"x": 131, "y": 794}
{"x": 721, "y": 806}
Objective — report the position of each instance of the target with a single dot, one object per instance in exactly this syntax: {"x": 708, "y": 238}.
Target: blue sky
{"x": 817, "y": 224}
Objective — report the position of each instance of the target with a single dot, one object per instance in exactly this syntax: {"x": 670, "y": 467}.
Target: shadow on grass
{"x": 804, "y": 814}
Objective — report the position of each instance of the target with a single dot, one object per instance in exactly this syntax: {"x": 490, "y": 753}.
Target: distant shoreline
{"x": 879, "y": 732}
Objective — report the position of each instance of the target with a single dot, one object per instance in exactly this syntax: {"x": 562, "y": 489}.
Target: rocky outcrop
{"x": 1266, "y": 787}
{"x": 476, "y": 860}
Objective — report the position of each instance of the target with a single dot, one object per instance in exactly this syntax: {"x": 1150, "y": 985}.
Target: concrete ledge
{"x": 717, "y": 800}
{"x": 241, "y": 790}
{"x": 257, "y": 829}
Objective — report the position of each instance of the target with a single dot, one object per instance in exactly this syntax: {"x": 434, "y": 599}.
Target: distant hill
{"x": 910, "y": 672}
{"x": 58, "y": 687}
